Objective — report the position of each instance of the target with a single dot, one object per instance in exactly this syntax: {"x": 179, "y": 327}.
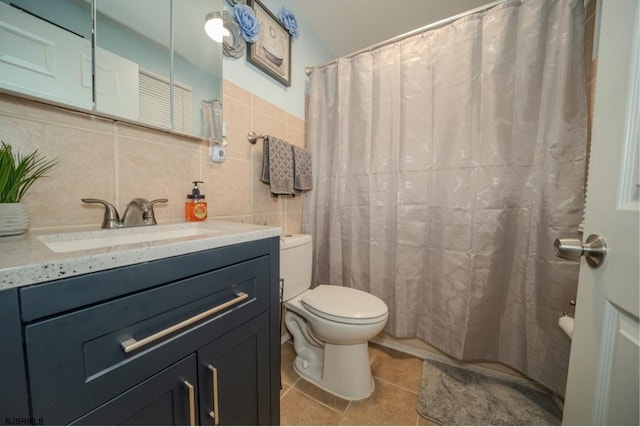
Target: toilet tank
{"x": 295, "y": 264}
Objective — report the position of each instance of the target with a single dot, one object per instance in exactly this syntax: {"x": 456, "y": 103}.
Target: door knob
{"x": 594, "y": 249}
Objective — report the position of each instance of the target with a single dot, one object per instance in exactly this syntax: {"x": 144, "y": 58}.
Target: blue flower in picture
{"x": 248, "y": 23}
{"x": 289, "y": 21}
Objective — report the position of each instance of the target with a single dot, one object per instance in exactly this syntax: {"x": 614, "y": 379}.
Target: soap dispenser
{"x": 195, "y": 208}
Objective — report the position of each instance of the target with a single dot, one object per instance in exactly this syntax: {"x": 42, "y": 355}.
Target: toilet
{"x": 330, "y": 325}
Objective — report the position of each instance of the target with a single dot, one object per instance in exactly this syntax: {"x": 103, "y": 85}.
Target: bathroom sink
{"x": 87, "y": 240}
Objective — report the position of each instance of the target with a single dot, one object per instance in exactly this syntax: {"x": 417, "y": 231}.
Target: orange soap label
{"x": 194, "y": 211}
{"x": 200, "y": 210}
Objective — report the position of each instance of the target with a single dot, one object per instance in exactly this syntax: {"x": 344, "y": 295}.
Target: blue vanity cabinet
{"x": 14, "y": 402}
{"x": 167, "y": 398}
{"x": 232, "y": 373}
{"x": 161, "y": 342}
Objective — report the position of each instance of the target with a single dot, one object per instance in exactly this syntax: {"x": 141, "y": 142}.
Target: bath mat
{"x": 455, "y": 395}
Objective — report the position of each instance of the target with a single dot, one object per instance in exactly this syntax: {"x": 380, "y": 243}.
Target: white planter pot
{"x": 13, "y": 219}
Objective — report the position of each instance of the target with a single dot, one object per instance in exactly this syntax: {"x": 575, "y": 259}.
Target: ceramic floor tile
{"x": 397, "y": 378}
{"x": 324, "y": 397}
{"x": 388, "y": 405}
{"x": 396, "y": 367}
{"x": 297, "y": 409}
{"x": 284, "y": 388}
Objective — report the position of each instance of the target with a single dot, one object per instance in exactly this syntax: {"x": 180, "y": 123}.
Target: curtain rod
{"x": 395, "y": 39}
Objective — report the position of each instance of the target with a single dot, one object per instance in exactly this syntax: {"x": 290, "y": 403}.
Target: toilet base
{"x": 345, "y": 373}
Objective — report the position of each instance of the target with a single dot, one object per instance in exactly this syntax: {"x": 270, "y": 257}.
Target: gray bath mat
{"x": 453, "y": 395}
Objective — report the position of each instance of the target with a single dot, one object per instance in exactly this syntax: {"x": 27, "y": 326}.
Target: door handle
{"x": 594, "y": 249}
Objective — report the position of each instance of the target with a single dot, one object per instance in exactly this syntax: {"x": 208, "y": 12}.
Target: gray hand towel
{"x": 280, "y": 165}
{"x": 302, "y": 180}
{"x": 264, "y": 177}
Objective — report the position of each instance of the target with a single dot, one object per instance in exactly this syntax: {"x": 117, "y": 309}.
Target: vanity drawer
{"x": 81, "y": 359}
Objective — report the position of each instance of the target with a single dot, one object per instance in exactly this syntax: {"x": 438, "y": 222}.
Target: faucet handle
{"x": 153, "y": 202}
{"x": 150, "y": 216}
{"x": 111, "y": 218}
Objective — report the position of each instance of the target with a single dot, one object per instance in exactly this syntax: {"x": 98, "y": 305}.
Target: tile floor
{"x": 397, "y": 378}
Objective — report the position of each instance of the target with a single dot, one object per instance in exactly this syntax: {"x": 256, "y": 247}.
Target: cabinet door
{"x": 234, "y": 376}
{"x": 79, "y": 360}
{"x": 167, "y": 398}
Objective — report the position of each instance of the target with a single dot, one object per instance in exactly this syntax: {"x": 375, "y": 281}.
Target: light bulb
{"x": 214, "y": 27}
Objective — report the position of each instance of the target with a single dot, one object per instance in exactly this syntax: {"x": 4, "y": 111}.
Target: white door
{"x": 602, "y": 386}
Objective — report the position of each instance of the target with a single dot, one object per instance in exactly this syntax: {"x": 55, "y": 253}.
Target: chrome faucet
{"x": 139, "y": 212}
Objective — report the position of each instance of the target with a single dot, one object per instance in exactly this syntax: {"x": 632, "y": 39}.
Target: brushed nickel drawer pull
{"x": 192, "y": 403}
{"x": 215, "y": 414}
{"x": 132, "y": 344}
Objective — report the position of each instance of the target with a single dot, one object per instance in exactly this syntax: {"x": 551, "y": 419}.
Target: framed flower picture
{"x": 272, "y": 51}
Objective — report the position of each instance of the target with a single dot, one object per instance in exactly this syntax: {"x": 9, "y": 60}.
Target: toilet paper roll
{"x": 566, "y": 324}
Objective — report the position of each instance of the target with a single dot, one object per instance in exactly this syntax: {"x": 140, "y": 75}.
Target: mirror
{"x": 197, "y": 69}
{"x": 46, "y": 50}
{"x": 133, "y": 60}
{"x": 182, "y": 69}
{"x": 145, "y": 72}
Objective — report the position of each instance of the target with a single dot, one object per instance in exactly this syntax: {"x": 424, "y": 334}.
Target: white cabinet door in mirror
{"x": 144, "y": 73}
{"x": 45, "y": 50}
{"x": 133, "y": 60}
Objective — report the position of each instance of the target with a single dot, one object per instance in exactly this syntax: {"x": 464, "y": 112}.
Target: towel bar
{"x": 253, "y": 137}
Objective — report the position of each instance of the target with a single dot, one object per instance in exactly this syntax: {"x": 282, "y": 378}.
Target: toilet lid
{"x": 344, "y": 304}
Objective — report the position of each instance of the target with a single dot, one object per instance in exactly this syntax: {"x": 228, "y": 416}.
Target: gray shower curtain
{"x": 445, "y": 165}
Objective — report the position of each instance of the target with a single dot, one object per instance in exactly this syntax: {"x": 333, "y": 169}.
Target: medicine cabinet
{"x": 146, "y": 62}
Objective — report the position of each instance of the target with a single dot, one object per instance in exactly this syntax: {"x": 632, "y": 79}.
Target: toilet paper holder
{"x": 572, "y": 303}
{"x": 566, "y": 324}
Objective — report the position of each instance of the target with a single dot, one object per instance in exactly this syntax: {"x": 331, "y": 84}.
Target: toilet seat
{"x": 344, "y": 305}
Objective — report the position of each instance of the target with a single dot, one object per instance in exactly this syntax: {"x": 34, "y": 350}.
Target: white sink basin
{"x": 87, "y": 240}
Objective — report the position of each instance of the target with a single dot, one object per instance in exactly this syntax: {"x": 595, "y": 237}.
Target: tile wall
{"x": 114, "y": 161}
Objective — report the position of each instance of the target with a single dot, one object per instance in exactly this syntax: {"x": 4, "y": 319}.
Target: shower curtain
{"x": 445, "y": 165}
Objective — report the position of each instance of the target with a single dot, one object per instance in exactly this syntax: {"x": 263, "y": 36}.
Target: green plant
{"x": 18, "y": 173}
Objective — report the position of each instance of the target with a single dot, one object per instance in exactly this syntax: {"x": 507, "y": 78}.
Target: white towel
{"x": 211, "y": 119}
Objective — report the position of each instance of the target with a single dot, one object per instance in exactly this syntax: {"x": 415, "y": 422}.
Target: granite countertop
{"x": 27, "y": 259}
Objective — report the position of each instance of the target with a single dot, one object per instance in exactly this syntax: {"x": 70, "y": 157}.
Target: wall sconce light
{"x": 214, "y": 26}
